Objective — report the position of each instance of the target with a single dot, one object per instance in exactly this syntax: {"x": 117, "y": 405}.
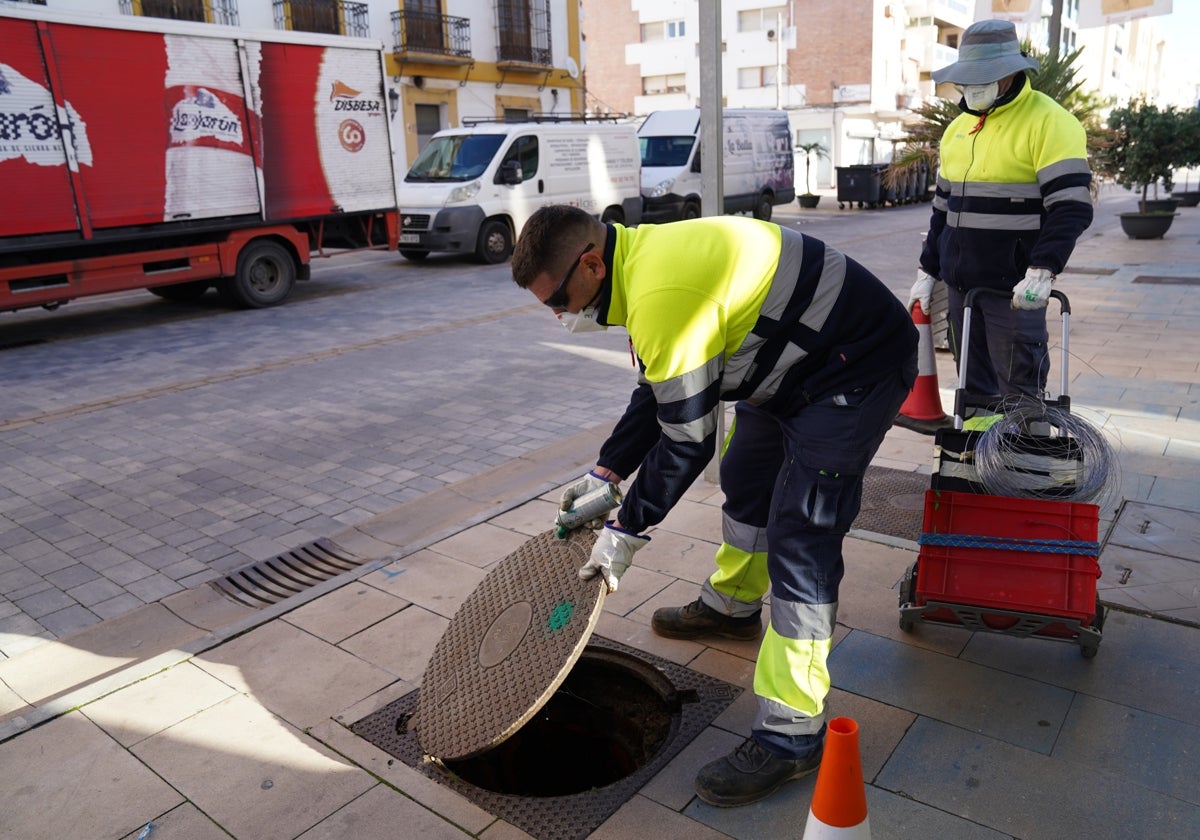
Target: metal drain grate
{"x": 559, "y": 817}
{"x": 271, "y": 581}
{"x": 893, "y": 503}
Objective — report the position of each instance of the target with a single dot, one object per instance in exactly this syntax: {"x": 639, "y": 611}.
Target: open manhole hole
{"x": 617, "y": 719}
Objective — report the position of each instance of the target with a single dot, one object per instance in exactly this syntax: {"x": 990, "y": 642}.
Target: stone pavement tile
{"x": 147, "y": 707}
{"x": 292, "y": 673}
{"x": 1147, "y": 749}
{"x": 781, "y": 815}
{"x": 869, "y": 596}
{"x": 68, "y": 779}
{"x": 382, "y": 812}
{"x": 682, "y": 556}
{"x": 1018, "y": 710}
{"x": 441, "y": 800}
{"x": 642, "y": 817}
{"x": 895, "y": 817}
{"x": 436, "y": 582}
{"x": 1162, "y": 530}
{"x": 698, "y": 520}
{"x": 482, "y": 545}
{"x": 1142, "y": 663}
{"x": 339, "y": 614}
{"x": 400, "y": 644}
{"x": 674, "y": 786}
{"x": 10, "y": 702}
{"x": 531, "y": 518}
{"x": 204, "y": 607}
{"x": 500, "y": 830}
{"x": 69, "y": 620}
{"x": 253, "y": 773}
{"x": 184, "y": 820}
{"x": 55, "y": 667}
{"x": 638, "y": 635}
{"x": 1025, "y": 794}
{"x": 637, "y": 587}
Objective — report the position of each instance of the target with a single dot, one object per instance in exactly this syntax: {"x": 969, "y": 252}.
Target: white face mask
{"x": 981, "y": 97}
{"x": 585, "y": 320}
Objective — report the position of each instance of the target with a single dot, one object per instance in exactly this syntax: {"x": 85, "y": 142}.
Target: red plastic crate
{"x": 1016, "y": 579}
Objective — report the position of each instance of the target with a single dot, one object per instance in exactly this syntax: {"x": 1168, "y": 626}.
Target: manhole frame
{"x": 575, "y": 815}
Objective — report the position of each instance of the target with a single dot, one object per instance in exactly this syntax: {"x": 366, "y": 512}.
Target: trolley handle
{"x": 960, "y": 395}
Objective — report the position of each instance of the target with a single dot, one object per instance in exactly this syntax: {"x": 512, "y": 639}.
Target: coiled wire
{"x": 1079, "y": 465}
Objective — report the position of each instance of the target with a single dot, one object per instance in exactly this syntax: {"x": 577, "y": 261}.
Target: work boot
{"x": 697, "y": 619}
{"x": 749, "y": 774}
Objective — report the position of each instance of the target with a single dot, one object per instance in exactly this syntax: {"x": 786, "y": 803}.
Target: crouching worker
{"x": 817, "y": 354}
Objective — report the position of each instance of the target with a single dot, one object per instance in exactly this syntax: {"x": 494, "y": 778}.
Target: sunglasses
{"x": 559, "y": 297}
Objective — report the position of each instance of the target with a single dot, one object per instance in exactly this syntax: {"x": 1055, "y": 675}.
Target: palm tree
{"x": 809, "y": 150}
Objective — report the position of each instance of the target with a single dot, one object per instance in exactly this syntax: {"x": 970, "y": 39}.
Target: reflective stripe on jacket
{"x": 1012, "y": 191}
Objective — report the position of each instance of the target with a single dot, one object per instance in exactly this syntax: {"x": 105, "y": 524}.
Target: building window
{"x": 675, "y": 29}
{"x": 757, "y": 77}
{"x": 331, "y": 17}
{"x": 652, "y": 32}
{"x": 656, "y": 85}
{"x": 756, "y": 20}
{"x": 204, "y": 11}
{"x": 523, "y": 28}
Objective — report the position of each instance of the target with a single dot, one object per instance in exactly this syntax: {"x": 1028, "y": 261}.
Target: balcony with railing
{"x": 431, "y": 37}
{"x": 523, "y": 30}
{"x": 331, "y": 17}
{"x": 224, "y": 12}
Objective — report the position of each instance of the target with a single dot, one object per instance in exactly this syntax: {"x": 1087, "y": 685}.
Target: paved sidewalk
{"x": 212, "y": 719}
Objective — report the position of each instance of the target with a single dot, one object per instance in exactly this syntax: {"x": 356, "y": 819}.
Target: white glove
{"x": 922, "y": 291}
{"x": 585, "y": 485}
{"x": 612, "y": 554}
{"x": 1034, "y": 291}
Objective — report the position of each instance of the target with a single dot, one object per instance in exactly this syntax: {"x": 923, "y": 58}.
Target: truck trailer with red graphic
{"x": 176, "y": 157}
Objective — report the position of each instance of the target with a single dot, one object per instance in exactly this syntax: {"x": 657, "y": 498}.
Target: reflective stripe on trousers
{"x": 797, "y": 481}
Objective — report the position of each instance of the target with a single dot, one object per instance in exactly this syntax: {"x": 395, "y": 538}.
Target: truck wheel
{"x": 265, "y": 276}
{"x": 495, "y": 242}
{"x": 613, "y": 214}
{"x": 182, "y": 292}
{"x": 413, "y": 254}
{"x": 691, "y": 210}
{"x": 762, "y": 210}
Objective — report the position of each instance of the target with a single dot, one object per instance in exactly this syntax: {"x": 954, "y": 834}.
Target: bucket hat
{"x": 987, "y": 52}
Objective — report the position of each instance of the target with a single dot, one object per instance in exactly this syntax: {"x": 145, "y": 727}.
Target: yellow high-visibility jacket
{"x": 1012, "y": 192}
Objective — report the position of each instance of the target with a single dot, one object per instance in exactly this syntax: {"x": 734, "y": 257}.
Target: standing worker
{"x": 1012, "y": 196}
{"x": 818, "y": 354}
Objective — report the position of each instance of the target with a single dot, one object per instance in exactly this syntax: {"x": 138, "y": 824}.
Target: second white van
{"x": 471, "y": 189}
{"x": 759, "y": 165}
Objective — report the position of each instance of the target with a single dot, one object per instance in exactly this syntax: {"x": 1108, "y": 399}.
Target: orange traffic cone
{"x": 839, "y": 803}
{"x": 922, "y": 410}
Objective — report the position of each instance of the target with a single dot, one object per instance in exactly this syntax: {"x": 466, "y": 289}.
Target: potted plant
{"x": 1144, "y": 150}
{"x": 808, "y": 198}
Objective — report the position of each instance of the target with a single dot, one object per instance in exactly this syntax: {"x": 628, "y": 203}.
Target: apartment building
{"x": 445, "y": 59}
{"x": 848, "y": 73}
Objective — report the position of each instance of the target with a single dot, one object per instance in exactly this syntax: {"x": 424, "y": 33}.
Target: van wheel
{"x": 762, "y": 210}
{"x": 495, "y": 242}
{"x": 691, "y": 210}
{"x": 615, "y": 215}
{"x": 413, "y": 254}
{"x": 182, "y": 292}
{"x": 265, "y": 276}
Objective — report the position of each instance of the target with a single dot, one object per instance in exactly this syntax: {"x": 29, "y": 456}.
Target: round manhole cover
{"x": 509, "y": 647}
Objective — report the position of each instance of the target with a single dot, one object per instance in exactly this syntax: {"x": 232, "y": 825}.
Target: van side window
{"x": 524, "y": 151}
{"x": 696, "y": 158}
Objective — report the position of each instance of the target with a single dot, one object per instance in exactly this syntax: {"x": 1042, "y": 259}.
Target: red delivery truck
{"x": 175, "y": 157}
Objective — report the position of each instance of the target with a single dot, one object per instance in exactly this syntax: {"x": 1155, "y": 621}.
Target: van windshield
{"x": 666, "y": 151}
{"x": 459, "y": 157}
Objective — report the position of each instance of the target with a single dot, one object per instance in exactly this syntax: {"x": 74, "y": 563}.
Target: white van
{"x": 759, "y": 164}
{"x": 471, "y": 189}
